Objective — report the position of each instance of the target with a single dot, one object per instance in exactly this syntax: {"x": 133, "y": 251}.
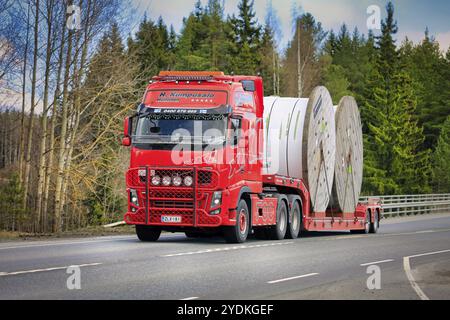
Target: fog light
{"x": 156, "y": 180}
{"x": 166, "y": 180}
{"x": 188, "y": 181}
{"x": 177, "y": 181}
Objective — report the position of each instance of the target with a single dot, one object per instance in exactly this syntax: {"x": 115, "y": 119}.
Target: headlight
{"x": 142, "y": 173}
{"x": 166, "y": 180}
{"x": 188, "y": 181}
{"x": 216, "y": 199}
{"x": 134, "y": 198}
{"x": 156, "y": 180}
{"x": 177, "y": 181}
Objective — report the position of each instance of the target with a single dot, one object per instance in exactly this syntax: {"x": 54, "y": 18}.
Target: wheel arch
{"x": 244, "y": 194}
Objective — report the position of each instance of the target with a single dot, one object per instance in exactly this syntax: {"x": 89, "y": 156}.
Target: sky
{"x": 413, "y": 16}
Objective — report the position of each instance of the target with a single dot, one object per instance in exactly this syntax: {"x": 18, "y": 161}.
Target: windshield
{"x": 173, "y": 130}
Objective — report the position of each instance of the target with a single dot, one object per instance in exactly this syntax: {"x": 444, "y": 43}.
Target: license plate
{"x": 171, "y": 219}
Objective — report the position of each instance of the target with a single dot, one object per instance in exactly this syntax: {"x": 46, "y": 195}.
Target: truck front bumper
{"x": 172, "y": 206}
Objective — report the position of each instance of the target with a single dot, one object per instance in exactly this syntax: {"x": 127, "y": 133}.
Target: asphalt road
{"x": 412, "y": 254}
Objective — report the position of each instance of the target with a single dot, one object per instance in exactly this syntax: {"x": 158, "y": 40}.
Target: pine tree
{"x": 336, "y": 82}
{"x": 388, "y": 55}
{"x": 311, "y": 36}
{"x": 429, "y": 70}
{"x": 247, "y": 28}
{"x": 411, "y": 162}
{"x": 246, "y": 36}
{"x": 150, "y": 47}
{"x": 269, "y": 62}
{"x": 441, "y": 160}
{"x": 203, "y": 43}
{"x": 378, "y": 144}
{"x": 395, "y": 160}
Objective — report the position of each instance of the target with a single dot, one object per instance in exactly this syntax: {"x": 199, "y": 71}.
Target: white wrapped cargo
{"x": 299, "y": 139}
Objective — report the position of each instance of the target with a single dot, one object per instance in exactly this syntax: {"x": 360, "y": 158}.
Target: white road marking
{"x": 2, "y": 274}
{"x": 227, "y": 249}
{"x": 409, "y": 275}
{"x": 190, "y": 298}
{"x": 376, "y": 262}
{"x": 65, "y": 243}
{"x": 293, "y": 278}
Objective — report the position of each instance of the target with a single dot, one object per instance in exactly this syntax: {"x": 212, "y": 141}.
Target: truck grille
{"x": 205, "y": 178}
{"x": 172, "y": 200}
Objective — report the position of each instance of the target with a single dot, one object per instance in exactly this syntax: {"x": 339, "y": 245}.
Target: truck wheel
{"x": 148, "y": 233}
{"x": 366, "y": 226}
{"x": 374, "y": 225}
{"x": 239, "y": 232}
{"x": 293, "y": 229}
{"x": 278, "y": 231}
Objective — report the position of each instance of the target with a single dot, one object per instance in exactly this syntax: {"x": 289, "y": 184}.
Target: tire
{"x": 278, "y": 232}
{"x": 367, "y": 226}
{"x": 293, "y": 229}
{"x": 374, "y": 225}
{"x": 148, "y": 233}
{"x": 239, "y": 232}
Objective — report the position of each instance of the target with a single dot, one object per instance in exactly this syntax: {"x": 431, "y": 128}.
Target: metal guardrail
{"x": 412, "y": 204}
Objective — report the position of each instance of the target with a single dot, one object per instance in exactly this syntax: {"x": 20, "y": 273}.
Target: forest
{"x": 65, "y": 90}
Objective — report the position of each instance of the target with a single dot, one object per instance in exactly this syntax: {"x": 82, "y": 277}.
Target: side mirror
{"x": 127, "y": 127}
{"x": 126, "y": 141}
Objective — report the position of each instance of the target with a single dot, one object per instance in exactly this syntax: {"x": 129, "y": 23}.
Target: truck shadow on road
{"x": 217, "y": 239}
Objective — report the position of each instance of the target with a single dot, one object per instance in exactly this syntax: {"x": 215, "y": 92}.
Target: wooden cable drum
{"x": 299, "y": 142}
{"x": 348, "y": 171}
{"x": 319, "y": 148}
{"x": 283, "y": 129}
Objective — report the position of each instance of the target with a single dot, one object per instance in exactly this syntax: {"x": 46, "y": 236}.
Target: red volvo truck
{"x": 196, "y": 166}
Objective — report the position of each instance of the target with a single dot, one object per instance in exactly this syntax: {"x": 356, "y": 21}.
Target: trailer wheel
{"x": 374, "y": 225}
{"x": 148, "y": 233}
{"x": 293, "y": 229}
{"x": 239, "y": 232}
{"x": 278, "y": 232}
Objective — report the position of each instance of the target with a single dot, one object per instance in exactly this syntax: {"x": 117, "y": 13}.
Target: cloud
{"x": 444, "y": 40}
{"x": 12, "y": 99}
